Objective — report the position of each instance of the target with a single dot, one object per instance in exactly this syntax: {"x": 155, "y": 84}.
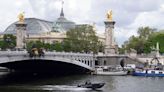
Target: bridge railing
{"x": 68, "y": 53}
{"x": 3, "y": 53}
{"x": 46, "y": 53}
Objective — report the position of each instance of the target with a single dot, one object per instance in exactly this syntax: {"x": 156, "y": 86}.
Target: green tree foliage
{"x": 82, "y": 39}
{"x": 146, "y": 40}
{"x": 34, "y": 44}
{"x": 57, "y": 46}
{"x": 153, "y": 39}
{"x": 66, "y": 45}
{"x": 145, "y": 32}
{"x": 140, "y": 43}
{"x": 8, "y": 42}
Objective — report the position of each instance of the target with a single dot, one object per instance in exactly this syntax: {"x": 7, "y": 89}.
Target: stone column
{"x": 157, "y": 50}
{"x": 109, "y": 38}
{"x": 21, "y": 35}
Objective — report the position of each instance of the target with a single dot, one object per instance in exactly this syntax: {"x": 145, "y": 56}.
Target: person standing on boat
{"x": 87, "y": 83}
{"x": 146, "y": 71}
{"x": 122, "y": 63}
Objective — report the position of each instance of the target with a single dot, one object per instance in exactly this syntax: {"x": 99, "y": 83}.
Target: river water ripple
{"x": 41, "y": 83}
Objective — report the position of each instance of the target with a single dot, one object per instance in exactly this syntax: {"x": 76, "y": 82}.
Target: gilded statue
{"x": 109, "y": 15}
{"x": 21, "y": 17}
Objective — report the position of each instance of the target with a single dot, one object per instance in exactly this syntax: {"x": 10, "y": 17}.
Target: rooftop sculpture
{"x": 21, "y": 17}
{"x": 109, "y": 15}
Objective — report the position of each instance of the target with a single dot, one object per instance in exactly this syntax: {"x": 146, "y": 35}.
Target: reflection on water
{"x": 33, "y": 82}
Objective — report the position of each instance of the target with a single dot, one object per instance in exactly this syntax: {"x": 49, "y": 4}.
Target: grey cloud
{"x": 50, "y": 13}
{"x": 43, "y": 10}
{"x": 138, "y": 5}
{"x": 130, "y": 5}
{"x": 124, "y": 12}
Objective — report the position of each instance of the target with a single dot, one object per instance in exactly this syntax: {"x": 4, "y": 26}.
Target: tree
{"x": 139, "y": 43}
{"x": 57, "y": 46}
{"x": 82, "y": 39}
{"x": 34, "y": 44}
{"x": 145, "y": 32}
{"x": 66, "y": 45}
{"x": 153, "y": 39}
{"x": 9, "y": 41}
{"x": 47, "y": 46}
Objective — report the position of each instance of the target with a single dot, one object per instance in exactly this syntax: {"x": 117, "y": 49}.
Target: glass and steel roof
{"x": 38, "y": 26}
{"x": 34, "y": 26}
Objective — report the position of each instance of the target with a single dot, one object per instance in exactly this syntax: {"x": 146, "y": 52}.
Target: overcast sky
{"x": 128, "y": 14}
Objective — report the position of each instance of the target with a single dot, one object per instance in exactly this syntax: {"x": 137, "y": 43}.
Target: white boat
{"x": 112, "y": 71}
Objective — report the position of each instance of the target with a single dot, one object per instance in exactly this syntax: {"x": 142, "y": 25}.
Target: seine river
{"x": 49, "y": 83}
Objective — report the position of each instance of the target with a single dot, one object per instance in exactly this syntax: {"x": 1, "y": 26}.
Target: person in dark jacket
{"x": 122, "y": 63}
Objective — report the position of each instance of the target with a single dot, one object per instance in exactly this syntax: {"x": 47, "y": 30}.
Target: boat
{"x": 153, "y": 70}
{"x": 112, "y": 71}
{"x": 91, "y": 85}
{"x": 149, "y": 73}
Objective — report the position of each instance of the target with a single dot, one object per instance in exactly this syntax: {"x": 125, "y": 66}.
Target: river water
{"x": 12, "y": 82}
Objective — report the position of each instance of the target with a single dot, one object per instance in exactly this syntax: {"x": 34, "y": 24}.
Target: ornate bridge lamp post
{"x": 109, "y": 35}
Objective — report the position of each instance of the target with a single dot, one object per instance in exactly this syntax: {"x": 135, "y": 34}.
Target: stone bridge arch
{"x": 82, "y": 62}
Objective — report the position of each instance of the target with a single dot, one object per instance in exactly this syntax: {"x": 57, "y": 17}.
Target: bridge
{"x": 62, "y": 62}
{"x": 58, "y": 62}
